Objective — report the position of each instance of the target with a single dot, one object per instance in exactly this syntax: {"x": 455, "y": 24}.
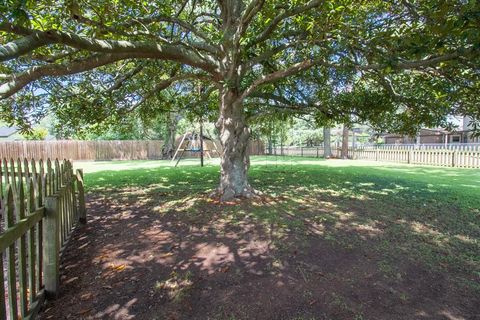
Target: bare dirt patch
{"x": 143, "y": 257}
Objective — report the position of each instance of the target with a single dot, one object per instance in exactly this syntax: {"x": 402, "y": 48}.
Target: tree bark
{"x": 169, "y": 147}
{"x": 270, "y": 145}
{"x": 234, "y": 136}
{"x": 344, "y": 154}
{"x": 327, "y": 148}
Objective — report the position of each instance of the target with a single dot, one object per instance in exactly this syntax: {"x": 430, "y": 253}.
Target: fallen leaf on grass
{"x": 166, "y": 255}
{"x": 86, "y": 296}
{"x": 117, "y": 268}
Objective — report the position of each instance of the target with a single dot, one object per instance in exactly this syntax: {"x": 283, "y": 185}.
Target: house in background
{"x": 425, "y": 136}
{"x": 437, "y": 135}
{"x": 9, "y": 133}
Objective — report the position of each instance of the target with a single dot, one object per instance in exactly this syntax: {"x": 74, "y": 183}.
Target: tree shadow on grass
{"x": 326, "y": 244}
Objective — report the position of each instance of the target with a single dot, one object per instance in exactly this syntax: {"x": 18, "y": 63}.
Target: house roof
{"x": 6, "y": 132}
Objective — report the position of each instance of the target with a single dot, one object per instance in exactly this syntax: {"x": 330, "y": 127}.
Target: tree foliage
{"x": 397, "y": 64}
{"x": 36, "y": 134}
{"x": 408, "y": 61}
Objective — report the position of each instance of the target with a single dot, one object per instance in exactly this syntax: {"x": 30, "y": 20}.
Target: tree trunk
{"x": 168, "y": 148}
{"x": 327, "y": 149}
{"x": 234, "y": 135}
{"x": 270, "y": 146}
{"x": 344, "y": 154}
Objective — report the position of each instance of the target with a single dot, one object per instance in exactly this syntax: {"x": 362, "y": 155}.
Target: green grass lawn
{"x": 408, "y": 218}
{"x": 428, "y": 211}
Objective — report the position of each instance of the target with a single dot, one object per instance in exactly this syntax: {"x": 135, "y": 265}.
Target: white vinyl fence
{"x": 461, "y": 156}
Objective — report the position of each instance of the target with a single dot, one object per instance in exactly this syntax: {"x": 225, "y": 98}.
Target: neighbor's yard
{"x": 328, "y": 240}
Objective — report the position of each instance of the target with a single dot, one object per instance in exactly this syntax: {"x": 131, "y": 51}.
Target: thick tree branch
{"x": 155, "y": 50}
{"x": 21, "y": 46}
{"x": 17, "y": 82}
{"x": 148, "y": 49}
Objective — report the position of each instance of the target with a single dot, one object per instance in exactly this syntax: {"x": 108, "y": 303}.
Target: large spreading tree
{"x": 95, "y": 61}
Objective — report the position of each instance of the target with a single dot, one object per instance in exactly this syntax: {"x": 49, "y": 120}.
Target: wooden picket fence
{"x": 41, "y": 203}
{"x": 466, "y": 158}
{"x": 457, "y": 156}
{"x": 473, "y": 146}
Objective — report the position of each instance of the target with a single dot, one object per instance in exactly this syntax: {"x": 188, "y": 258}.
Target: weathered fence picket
{"x": 40, "y": 210}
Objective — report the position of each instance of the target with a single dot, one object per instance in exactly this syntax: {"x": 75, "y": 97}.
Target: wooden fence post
{"x": 453, "y": 158}
{"x": 51, "y": 246}
{"x": 82, "y": 211}
{"x": 22, "y": 250}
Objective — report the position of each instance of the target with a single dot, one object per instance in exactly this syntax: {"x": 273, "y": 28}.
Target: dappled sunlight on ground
{"x": 329, "y": 239}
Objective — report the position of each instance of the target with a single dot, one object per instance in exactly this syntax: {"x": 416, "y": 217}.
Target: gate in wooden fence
{"x": 40, "y": 208}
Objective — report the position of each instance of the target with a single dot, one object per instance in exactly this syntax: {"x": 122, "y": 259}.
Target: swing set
{"x": 195, "y": 143}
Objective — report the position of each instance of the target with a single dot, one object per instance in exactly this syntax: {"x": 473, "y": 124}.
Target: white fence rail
{"x": 456, "y": 156}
